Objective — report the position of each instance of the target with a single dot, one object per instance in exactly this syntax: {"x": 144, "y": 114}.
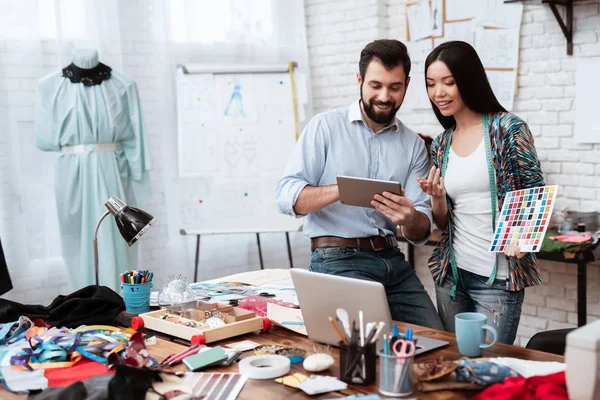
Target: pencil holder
{"x": 358, "y": 364}
{"x": 136, "y": 297}
{"x": 395, "y": 375}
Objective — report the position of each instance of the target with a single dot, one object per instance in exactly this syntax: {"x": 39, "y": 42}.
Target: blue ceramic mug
{"x": 470, "y": 333}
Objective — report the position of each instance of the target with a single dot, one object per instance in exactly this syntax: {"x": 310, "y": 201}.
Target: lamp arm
{"x": 96, "y": 267}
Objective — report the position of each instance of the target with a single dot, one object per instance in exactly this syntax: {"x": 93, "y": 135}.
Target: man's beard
{"x": 373, "y": 115}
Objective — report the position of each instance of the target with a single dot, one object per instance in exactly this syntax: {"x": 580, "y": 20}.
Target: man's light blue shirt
{"x": 339, "y": 142}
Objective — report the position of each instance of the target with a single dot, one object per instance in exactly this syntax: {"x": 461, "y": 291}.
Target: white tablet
{"x": 361, "y": 191}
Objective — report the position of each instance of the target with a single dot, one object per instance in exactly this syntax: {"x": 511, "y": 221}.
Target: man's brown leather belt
{"x": 375, "y": 243}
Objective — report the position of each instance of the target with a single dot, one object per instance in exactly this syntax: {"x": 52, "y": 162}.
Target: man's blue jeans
{"x": 502, "y": 307}
{"x": 407, "y": 298}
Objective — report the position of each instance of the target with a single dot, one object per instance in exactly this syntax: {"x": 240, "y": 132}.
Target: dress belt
{"x": 374, "y": 243}
{"x": 86, "y": 148}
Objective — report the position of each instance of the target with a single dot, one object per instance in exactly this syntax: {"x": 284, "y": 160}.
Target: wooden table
{"x": 269, "y": 389}
{"x": 581, "y": 259}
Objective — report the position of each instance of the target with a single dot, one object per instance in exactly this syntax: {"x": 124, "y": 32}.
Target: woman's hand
{"x": 513, "y": 250}
{"x": 434, "y": 184}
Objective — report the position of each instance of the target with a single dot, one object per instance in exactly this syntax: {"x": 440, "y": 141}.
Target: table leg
{"x": 581, "y": 292}
{"x": 197, "y": 259}
{"x": 289, "y": 248}
{"x": 262, "y": 266}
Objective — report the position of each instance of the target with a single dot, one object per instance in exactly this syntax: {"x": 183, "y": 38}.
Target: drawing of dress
{"x": 235, "y": 108}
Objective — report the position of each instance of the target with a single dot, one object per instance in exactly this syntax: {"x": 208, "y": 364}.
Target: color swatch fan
{"x": 524, "y": 218}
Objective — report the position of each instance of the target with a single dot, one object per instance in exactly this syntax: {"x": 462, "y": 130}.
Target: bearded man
{"x": 366, "y": 140}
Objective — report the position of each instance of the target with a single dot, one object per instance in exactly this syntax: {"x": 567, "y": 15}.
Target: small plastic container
{"x": 396, "y": 377}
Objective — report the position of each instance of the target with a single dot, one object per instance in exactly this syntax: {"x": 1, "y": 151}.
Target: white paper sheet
{"x": 301, "y": 89}
{"x": 416, "y": 95}
{"x": 503, "y": 84}
{"x": 587, "y": 87}
{"x": 527, "y": 368}
{"x": 289, "y": 318}
{"x": 437, "y": 17}
{"x": 496, "y": 13}
{"x": 285, "y": 284}
{"x": 464, "y": 30}
{"x": 259, "y": 278}
{"x": 419, "y": 50}
{"x": 498, "y": 48}
{"x": 419, "y": 20}
{"x": 460, "y": 9}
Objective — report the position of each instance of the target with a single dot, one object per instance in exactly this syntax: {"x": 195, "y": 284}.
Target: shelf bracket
{"x": 567, "y": 25}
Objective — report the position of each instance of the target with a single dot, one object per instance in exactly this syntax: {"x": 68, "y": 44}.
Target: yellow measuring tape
{"x": 103, "y": 328}
{"x": 294, "y": 101}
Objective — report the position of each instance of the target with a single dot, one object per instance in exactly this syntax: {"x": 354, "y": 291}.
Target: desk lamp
{"x": 132, "y": 223}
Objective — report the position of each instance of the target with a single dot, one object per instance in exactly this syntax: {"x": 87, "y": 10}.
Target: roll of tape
{"x": 264, "y": 367}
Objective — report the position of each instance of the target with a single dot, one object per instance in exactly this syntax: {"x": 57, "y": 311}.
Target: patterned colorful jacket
{"x": 517, "y": 167}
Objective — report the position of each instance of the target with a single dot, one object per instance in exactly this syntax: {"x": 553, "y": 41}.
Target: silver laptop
{"x": 320, "y": 295}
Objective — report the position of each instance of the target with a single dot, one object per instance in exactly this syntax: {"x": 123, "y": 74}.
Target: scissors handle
{"x": 407, "y": 348}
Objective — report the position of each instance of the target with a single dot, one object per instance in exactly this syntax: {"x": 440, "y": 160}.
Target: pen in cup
{"x": 337, "y": 329}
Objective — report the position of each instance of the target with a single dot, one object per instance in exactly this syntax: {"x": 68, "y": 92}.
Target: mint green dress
{"x": 69, "y": 114}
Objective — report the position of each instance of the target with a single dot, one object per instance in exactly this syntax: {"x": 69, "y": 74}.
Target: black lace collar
{"x": 89, "y": 77}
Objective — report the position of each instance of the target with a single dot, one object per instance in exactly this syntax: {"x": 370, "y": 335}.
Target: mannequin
{"x": 91, "y": 114}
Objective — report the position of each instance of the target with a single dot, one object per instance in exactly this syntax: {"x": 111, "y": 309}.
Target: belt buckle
{"x": 374, "y": 247}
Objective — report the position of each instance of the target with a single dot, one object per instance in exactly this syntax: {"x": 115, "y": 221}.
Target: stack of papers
{"x": 527, "y": 368}
{"x": 289, "y": 318}
{"x": 317, "y": 384}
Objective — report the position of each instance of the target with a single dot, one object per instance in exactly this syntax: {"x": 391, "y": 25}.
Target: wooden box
{"x": 175, "y": 321}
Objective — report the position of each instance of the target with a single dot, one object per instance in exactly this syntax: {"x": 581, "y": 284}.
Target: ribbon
{"x": 59, "y": 348}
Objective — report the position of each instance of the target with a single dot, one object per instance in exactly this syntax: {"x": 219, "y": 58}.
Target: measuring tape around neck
{"x": 493, "y": 198}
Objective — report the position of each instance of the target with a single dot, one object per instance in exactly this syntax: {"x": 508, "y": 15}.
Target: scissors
{"x": 404, "y": 349}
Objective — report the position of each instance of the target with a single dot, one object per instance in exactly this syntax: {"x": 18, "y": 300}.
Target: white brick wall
{"x": 162, "y": 249}
{"x": 336, "y": 32}
{"x": 545, "y": 100}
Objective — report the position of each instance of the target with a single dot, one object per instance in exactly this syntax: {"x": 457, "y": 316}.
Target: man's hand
{"x": 399, "y": 209}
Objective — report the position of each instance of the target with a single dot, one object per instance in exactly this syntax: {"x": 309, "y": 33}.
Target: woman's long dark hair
{"x": 472, "y": 83}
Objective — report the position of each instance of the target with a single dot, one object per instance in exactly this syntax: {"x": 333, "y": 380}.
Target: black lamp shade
{"x": 133, "y": 223}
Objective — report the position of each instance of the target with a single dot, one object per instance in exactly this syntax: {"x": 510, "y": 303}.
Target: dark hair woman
{"x": 483, "y": 153}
